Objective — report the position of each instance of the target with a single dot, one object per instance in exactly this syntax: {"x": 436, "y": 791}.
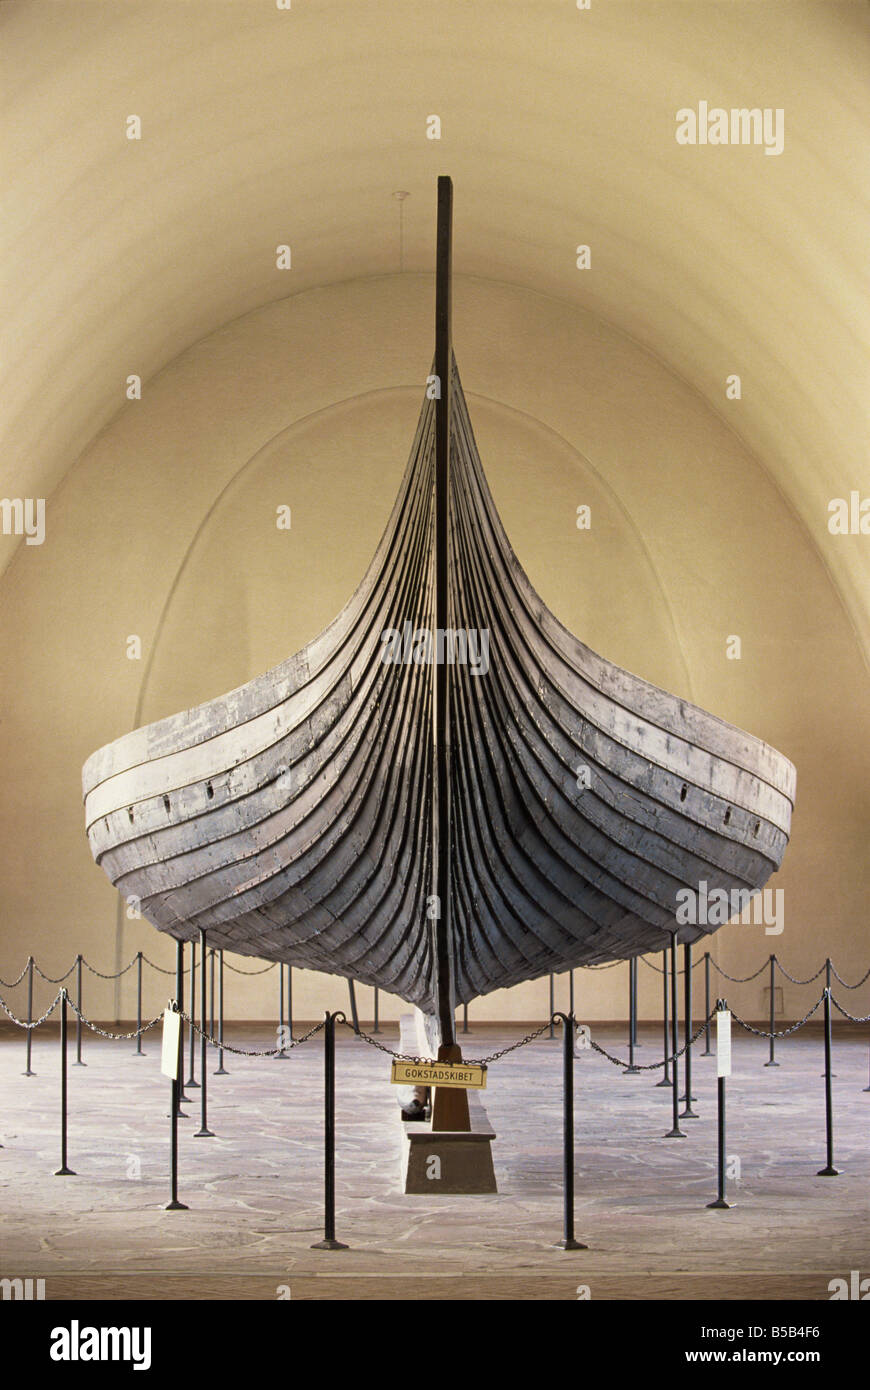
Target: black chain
{"x": 428, "y": 1061}
{"x": 251, "y": 1052}
{"x": 104, "y": 1033}
{"x": 781, "y": 967}
{"x": 10, "y": 984}
{"x": 109, "y": 977}
{"x": 48, "y": 978}
{"x": 865, "y": 1019}
{"x": 783, "y": 1032}
{"x": 237, "y": 971}
{"x": 843, "y": 982}
{"x": 34, "y": 1023}
{"x": 742, "y": 979}
{"x": 653, "y": 1066}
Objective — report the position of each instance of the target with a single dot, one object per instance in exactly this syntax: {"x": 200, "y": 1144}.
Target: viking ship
{"x": 445, "y": 792}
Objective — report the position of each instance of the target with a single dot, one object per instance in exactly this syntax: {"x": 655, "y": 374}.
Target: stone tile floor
{"x": 255, "y": 1190}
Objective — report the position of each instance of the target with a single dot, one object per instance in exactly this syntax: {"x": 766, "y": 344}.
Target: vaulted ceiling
{"x": 263, "y": 126}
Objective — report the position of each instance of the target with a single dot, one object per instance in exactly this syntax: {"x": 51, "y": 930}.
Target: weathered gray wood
{"x": 293, "y": 818}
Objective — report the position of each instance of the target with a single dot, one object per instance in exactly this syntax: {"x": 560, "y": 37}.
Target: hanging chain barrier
{"x": 50, "y": 979}
{"x": 839, "y": 1007}
{"x": 117, "y": 976}
{"x": 857, "y": 985}
{"x": 653, "y": 1066}
{"x": 466, "y": 1061}
{"x": 250, "y": 1052}
{"x": 742, "y": 979}
{"x": 34, "y": 1023}
{"x": 236, "y": 971}
{"x": 808, "y": 981}
{"x": 104, "y": 1033}
{"x": 170, "y": 970}
{"x": 783, "y": 1032}
{"x": 658, "y": 969}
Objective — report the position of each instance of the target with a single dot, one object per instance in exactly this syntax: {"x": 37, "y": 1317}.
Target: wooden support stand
{"x": 453, "y": 1154}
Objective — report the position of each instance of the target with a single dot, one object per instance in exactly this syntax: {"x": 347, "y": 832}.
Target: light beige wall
{"x": 166, "y": 529}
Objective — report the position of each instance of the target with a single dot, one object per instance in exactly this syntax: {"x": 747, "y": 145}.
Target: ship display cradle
{"x": 444, "y": 793}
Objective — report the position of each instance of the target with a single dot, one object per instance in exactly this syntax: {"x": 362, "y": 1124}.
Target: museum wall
{"x": 164, "y": 529}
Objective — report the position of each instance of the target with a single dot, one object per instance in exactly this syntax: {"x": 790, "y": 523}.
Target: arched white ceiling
{"x": 263, "y": 126}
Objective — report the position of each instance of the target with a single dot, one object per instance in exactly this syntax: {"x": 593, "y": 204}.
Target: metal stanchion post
{"x": 139, "y": 1052}
{"x": 707, "y": 1051}
{"x": 281, "y": 1054}
{"x": 568, "y": 1241}
{"x": 829, "y": 986}
{"x": 720, "y": 1204}
{"x": 63, "y": 1171}
{"x": 675, "y": 1132}
{"x": 688, "y": 1113}
{"x": 829, "y": 1171}
{"x": 329, "y": 1241}
{"x": 465, "y": 1027}
{"x": 666, "y": 1071}
{"x": 552, "y": 1006}
{"x": 191, "y": 1080}
{"x": 28, "y": 1032}
{"x": 178, "y": 1093}
{"x": 376, "y": 1025}
{"x": 772, "y": 1062}
{"x": 78, "y": 1061}
{"x": 571, "y": 992}
{"x": 632, "y": 1017}
{"x": 174, "y": 1111}
{"x": 203, "y": 1132}
{"x": 290, "y": 1001}
{"x": 210, "y": 993}
{"x": 353, "y": 1013}
{"x": 221, "y": 1069}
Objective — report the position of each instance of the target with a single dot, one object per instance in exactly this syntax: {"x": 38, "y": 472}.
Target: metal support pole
{"x": 772, "y": 1014}
{"x": 465, "y": 1027}
{"x": 203, "y": 1132}
{"x": 353, "y": 1013}
{"x": 290, "y": 1000}
{"x": 63, "y": 1171}
{"x": 210, "y": 993}
{"x": 666, "y": 1071}
{"x": 571, "y": 992}
{"x": 720, "y": 1203}
{"x": 174, "y": 1111}
{"x": 829, "y": 1171}
{"x": 139, "y": 1052}
{"x": 28, "y": 1032}
{"x": 329, "y": 1241}
{"x": 632, "y": 1017}
{"x": 707, "y": 1050}
{"x": 221, "y": 1069}
{"x": 191, "y": 1080}
{"x": 829, "y": 986}
{"x": 552, "y": 1007}
{"x": 688, "y": 1113}
{"x": 178, "y": 1093}
{"x": 281, "y": 1054}
{"x": 376, "y": 1026}
{"x": 568, "y": 1241}
{"x": 675, "y": 1132}
{"x": 78, "y": 1061}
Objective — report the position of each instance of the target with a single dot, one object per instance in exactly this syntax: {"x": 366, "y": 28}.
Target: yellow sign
{"x": 467, "y": 1075}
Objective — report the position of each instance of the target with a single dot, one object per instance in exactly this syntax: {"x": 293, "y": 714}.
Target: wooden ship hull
{"x": 438, "y": 828}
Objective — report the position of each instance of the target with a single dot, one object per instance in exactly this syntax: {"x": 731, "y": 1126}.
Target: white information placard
{"x": 171, "y": 1035}
{"x": 723, "y": 1042}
